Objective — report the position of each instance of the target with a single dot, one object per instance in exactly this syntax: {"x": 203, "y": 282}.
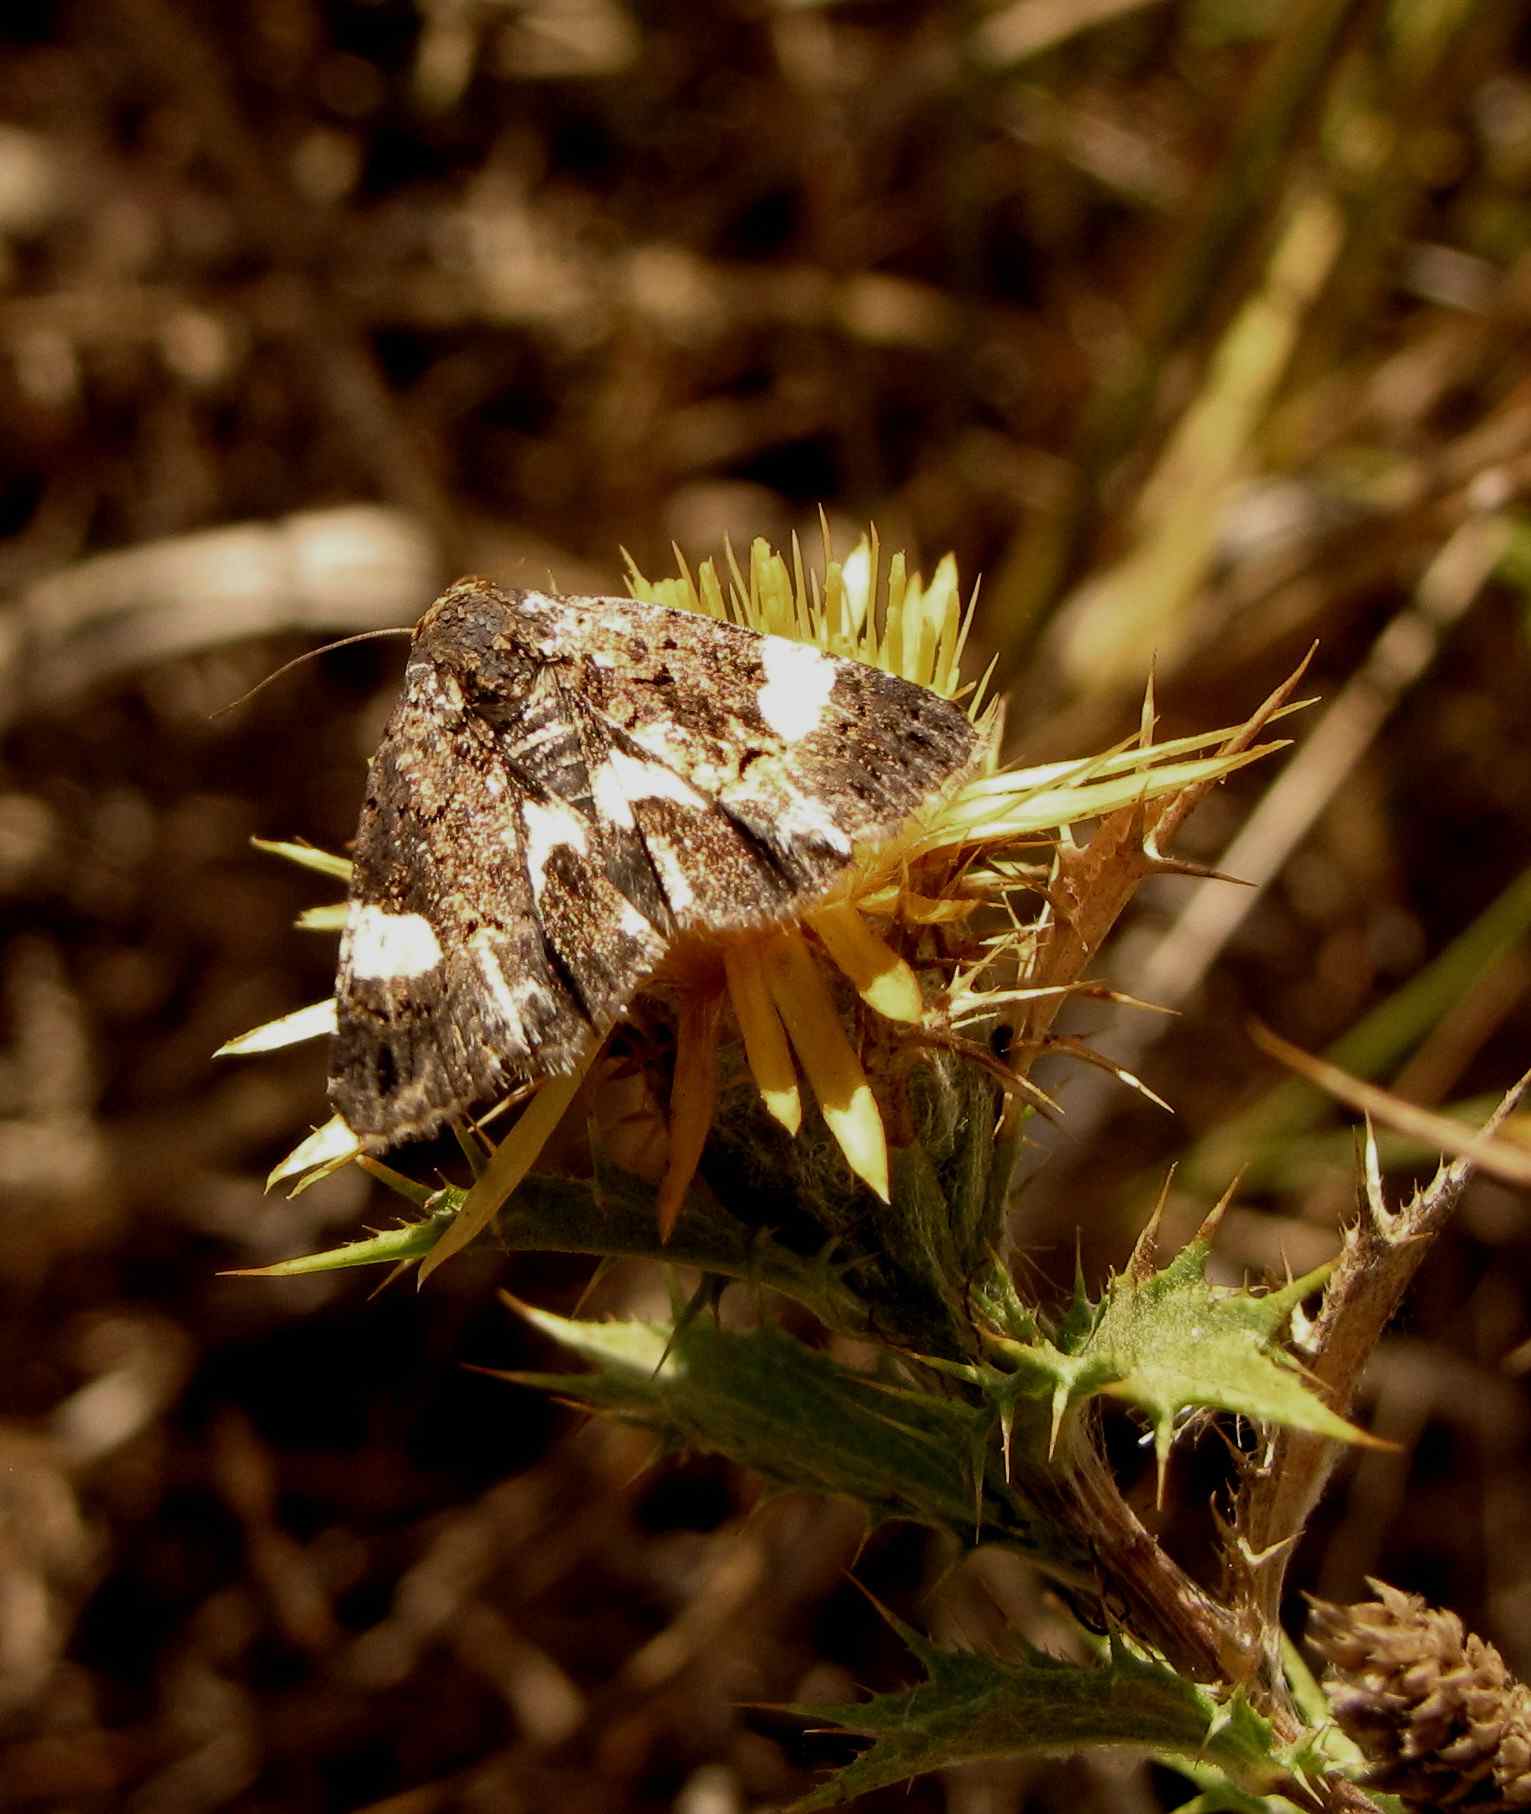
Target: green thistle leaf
{"x": 803, "y": 1421}
{"x": 973, "y": 1707}
{"x": 1170, "y": 1341}
{"x": 392, "y": 1247}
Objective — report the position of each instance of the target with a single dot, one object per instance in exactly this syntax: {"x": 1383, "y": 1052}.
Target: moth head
{"x": 476, "y": 623}
{"x": 466, "y": 598}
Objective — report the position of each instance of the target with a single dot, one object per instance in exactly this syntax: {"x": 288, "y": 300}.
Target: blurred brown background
{"x": 1198, "y": 327}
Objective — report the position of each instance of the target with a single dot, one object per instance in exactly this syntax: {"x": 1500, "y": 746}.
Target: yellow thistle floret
{"x": 921, "y": 892}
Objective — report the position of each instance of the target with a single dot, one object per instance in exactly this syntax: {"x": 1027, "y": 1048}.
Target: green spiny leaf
{"x": 804, "y": 1421}
{"x": 973, "y": 1706}
{"x": 394, "y": 1245}
{"x": 1170, "y": 1341}
{"x": 790, "y": 1413}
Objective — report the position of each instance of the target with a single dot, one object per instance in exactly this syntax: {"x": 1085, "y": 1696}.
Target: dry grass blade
{"x": 1504, "y": 1159}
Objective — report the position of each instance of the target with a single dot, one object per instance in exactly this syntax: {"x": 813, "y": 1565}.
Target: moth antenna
{"x": 308, "y": 655}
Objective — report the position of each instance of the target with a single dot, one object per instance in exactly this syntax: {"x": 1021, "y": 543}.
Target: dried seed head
{"x": 1441, "y": 1718}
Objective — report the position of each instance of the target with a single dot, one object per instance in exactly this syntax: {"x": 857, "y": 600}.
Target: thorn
{"x": 1183, "y": 866}
{"x": 1149, "y": 717}
{"x": 1063, "y": 1042}
{"x": 396, "y": 1271}
{"x": 1060, "y": 1407}
{"x": 1255, "y": 1559}
{"x": 1145, "y": 1249}
{"x": 1164, "y": 1436}
{"x": 1213, "y": 1219}
{"x": 1376, "y": 1201}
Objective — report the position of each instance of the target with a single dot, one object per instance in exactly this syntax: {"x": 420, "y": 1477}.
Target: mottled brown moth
{"x": 565, "y": 786}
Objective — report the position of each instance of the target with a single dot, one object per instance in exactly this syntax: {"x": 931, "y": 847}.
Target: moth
{"x": 565, "y": 787}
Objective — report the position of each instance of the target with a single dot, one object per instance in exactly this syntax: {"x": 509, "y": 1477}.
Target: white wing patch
{"x": 632, "y": 922}
{"x": 804, "y": 818}
{"x": 672, "y": 875}
{"x": 799, "y": 680}
{"x": 512, "y": 1000}
{"x": 610, "y": 794}
{"x": 391, "y": 947}
{"x": 622, "y": 778}
{"x": 550, "y": 826}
